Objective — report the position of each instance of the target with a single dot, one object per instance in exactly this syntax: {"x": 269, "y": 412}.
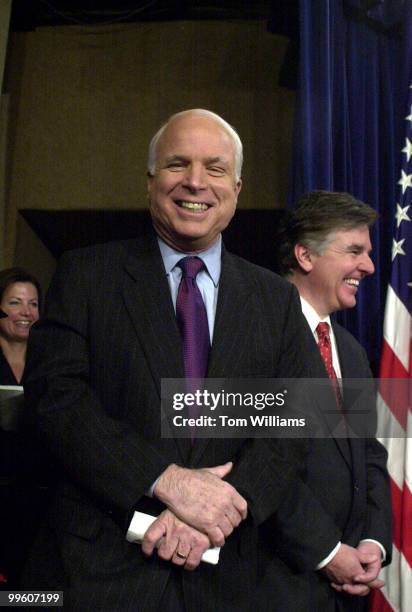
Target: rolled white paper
{"x": 140, "y": 524}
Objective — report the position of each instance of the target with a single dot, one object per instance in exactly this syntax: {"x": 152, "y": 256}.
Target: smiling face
{"x": 193, "y": 192}
{"x": 20, "y": 303}
{"x": 332, "y": 278}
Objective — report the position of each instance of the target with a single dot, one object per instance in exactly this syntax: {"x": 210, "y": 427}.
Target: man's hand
{"x": 175, "y": 541}
{"x": 345, "y": 566}
{"x": 370, "y": 558}
{"x": 203, "y": 500}
{"x": 355, "y": 570}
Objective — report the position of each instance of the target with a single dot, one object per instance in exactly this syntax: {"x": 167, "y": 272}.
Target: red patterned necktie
{"x": 325, "y": 349}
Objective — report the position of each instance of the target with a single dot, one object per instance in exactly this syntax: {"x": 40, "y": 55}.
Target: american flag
{"x": 395, "y": 400}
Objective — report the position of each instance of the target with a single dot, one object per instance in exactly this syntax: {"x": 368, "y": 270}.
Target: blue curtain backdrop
{"x": 349, "y": 124}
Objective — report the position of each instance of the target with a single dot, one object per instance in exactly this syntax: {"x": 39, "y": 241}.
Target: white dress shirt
{"x": 207, "y": 280}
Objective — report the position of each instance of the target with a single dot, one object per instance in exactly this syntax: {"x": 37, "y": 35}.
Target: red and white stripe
{"x": 395, "y": 425}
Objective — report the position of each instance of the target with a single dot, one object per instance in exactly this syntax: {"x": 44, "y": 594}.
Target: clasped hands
{"x": 355, "y": 570}
{"x": 202, "y": 511}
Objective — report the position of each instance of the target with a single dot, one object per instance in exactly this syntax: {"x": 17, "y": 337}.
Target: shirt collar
{"x": 212, "y": 258}
{"x": 312, "y": 316}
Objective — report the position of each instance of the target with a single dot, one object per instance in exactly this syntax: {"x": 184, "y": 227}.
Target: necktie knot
{"x": 322, "y": 331}
{"x": 190, "y": 266}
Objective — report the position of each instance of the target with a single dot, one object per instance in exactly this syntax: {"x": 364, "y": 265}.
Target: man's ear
{"x": 303, "y": 257}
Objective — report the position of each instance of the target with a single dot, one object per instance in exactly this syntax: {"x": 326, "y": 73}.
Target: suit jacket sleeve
{"x": 100, "y": 453}
{"x": 266, "y": 468}
{"x": 379, "y": 513}
{"x": 270, "y": 473}
{"x": 378, "y": 524}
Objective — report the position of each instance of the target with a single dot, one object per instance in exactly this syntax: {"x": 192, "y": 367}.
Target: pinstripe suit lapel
{"x": 233, "y": 317}
{"x": 146, "y": 295}
{"x": 347, "y": 366}
{"x": 349, "y": 369}
{"x": 318, "y": 371}
{"x": 147, "y": 298}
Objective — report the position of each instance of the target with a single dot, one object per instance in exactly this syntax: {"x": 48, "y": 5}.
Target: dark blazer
{"x": 22, "y": 477}
{"x": 349, "y": 498}
{"x": 95, "y": 363}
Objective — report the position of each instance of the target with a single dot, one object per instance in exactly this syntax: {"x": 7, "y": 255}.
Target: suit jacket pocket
{"x": 75, "y": 517}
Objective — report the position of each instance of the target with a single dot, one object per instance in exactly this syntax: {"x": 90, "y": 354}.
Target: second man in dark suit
{"x": 325, "y": 252}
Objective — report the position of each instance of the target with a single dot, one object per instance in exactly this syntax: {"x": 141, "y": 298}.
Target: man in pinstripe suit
{"x": 94, "y": 369}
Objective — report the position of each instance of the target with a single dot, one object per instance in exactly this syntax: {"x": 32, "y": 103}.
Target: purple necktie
{"x": 192, "y": 319}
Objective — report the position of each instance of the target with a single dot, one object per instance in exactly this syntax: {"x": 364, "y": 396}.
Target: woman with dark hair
{"x": 19, "y": 301}
{"x": 20, "y": 457}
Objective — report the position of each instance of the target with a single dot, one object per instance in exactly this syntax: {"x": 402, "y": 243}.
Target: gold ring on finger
{"x": 180, "y": 556}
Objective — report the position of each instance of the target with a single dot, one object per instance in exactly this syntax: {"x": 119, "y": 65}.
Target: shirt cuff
{"x": 383, "y": 551}
{"x": 150, "y": 490}
{"x": 330, "y": 556}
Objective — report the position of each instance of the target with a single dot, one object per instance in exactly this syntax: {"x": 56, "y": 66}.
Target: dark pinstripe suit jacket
{"x": 93, "y": 377}
{"x": 348, "y": 498}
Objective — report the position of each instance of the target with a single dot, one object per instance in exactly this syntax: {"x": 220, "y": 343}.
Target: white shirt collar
{"x": 313, "y": 319}
{"x": 212, "y": 258}
{"x": 312, "y": 316}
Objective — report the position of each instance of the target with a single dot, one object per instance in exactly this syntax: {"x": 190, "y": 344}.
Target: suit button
{"x": 356, "y": 486}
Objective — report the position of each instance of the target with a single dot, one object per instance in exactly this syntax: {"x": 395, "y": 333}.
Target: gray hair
{"x": 201, "y": 112}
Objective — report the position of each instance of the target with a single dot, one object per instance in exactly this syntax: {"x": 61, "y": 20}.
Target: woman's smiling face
{"x": 20, "y": 302}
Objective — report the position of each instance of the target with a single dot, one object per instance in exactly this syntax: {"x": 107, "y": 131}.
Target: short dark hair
{"x": 9, "y": 276}
{"x": 313, "y": 221}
